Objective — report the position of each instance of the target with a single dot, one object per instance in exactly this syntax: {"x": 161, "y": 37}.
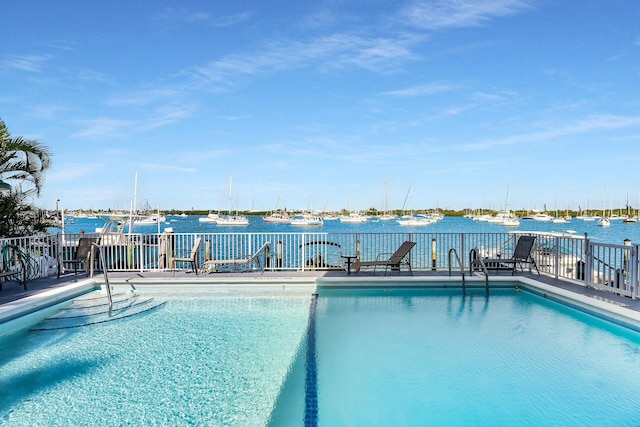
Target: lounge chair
{"x": 247, "y": 260}
{"x": 398, "y": 258}
{"x": 6, "y": 273}
{"x": 82, "y": 255}
{"x": 192, "y": 258}
{"x": 521, "y": 256}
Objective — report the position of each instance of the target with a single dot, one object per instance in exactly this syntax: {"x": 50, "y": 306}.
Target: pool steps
{"x": 79, "y": 314}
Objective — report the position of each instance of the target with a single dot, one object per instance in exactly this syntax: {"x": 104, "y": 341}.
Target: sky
{"x": 327, "y": 104}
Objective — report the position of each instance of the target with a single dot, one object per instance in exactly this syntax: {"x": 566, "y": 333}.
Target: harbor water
{"x": 615, "y": 234}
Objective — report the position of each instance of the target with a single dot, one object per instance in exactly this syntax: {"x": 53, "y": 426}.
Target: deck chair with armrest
{"x": 192, "y": 258}
{"x": 13, "y": 266}
{"x": 521, "y": 256}
{"x": 235, "y": 263}
{"x": 398, "y": 258}
{"x": 82, "y": 255}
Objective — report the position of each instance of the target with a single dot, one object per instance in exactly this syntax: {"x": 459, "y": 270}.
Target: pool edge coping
{"x": 24, "y": 306}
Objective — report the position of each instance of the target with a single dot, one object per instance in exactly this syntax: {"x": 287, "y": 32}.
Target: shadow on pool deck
{"x": 12, "y": 291}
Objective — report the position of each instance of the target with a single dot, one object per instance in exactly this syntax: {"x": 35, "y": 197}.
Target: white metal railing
{"x": 609, "y": 267}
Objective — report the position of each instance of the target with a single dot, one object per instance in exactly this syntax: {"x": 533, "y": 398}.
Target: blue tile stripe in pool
{"x": 311, "y": 380}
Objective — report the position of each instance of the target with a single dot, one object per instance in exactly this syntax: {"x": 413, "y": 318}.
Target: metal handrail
{"x": 453, "y": 250}
{"x": 104, "y": 270}
{"x": 477, "y": 259}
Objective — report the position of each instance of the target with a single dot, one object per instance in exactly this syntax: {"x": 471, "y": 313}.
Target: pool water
{"x": 204, "y": 358}
{"x": 411, "y": 358}
{"x": 374, "y": 357}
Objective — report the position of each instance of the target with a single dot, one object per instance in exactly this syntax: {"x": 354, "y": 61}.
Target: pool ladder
{"x": 476, "y": 260}
{"x": 454, "y": 252}
{"x": 101, "y": 257}
{"x": 104, "y": 270}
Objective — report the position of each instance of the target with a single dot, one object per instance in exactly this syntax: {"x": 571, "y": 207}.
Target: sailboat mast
{"x": 405, "y": 199}
{"x": 230, "y": 179}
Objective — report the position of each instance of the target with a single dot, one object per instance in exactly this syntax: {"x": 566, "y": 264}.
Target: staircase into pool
{"x": 93, "y": 310}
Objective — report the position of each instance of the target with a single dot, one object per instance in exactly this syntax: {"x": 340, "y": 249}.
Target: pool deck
{"x": 12, "y": 292}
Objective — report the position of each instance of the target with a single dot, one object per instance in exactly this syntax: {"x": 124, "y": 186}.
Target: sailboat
{"x": 277, "y": 216}
{"x": 630, "y": 218}
{"x": 604, "y": 221}
{"x": 386, "y": 216}
{"x": 231, "y": 219}
{"x": 558, "y": 219}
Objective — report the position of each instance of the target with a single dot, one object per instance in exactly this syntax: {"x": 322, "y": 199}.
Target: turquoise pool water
{"x": 348, "y": 358}
{"x": 414, "y": 358}
{"x": 204, "y": 358}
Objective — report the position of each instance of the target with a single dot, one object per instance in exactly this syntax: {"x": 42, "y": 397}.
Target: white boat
{"x": 230, "y": 219}
{"x": 330, "y": 217}
{"x": 512, "y": 221}
{"x": 353, "y": 218}
{"x": 151, "y": 219}
{"x": 307, "y": 220}
{"x": 415, "y": 221}
{"x": 277, "y": 218}
{"x": 233, "y": 220}
{"x": 603, "y": 221}
{"x": 387, "y": 217}
{"x": 505, "y": 217}
{"x": 211, "y": 218}
{"x": 436, "y": 216}
{"x": 541, "y": 216}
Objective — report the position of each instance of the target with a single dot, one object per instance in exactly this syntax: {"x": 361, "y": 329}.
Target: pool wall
{"x": 18, "y": 308}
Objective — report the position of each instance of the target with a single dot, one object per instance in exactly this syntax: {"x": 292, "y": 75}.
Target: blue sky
{"x": 319, "y": 104}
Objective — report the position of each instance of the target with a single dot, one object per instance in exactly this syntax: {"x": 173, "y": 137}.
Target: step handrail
{"x": 475, "y": 259}
{"x": 453, "y": 250}
{"x": 104, "y": 270}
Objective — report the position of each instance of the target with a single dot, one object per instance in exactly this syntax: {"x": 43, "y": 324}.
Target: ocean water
{"x": 617, "y": 233}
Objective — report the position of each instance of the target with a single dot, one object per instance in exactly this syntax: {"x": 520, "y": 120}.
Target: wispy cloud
{"x": 335, "y": 51}
{"x": 29, "y": 63}
{"x": 103, "y": 128}
{"x": 47, "y": 112}
{"x": 235, "y": 118}
{"x": 592, "y": 123}
{"x": 165, "y": 116}
{"x": 144, "y": 97}
{"x": 228, "y": 21}
{"x": 442, "y": 14}
{"x": 424, "y": 90}
{"x": 181, "y": 15}
{"x": 60, "y": 45}
{"x": 72, "y": 172}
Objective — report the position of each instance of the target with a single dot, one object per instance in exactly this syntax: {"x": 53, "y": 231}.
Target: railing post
{"x": 463, "y": 250}
{"x": 588, "y": 262}
{"x": 279, "y": 255}
{"x": 632, "y": 271}
{"x": 556, "y": 260}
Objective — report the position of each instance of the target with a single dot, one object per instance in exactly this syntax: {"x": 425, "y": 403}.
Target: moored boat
{"x": 277, "y": 218}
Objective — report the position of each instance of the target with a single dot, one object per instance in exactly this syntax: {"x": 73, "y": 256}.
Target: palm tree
{"x": 23, "y": 160}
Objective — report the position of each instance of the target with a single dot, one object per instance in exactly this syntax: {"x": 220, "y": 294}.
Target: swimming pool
{"x": 382, "y": 356}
